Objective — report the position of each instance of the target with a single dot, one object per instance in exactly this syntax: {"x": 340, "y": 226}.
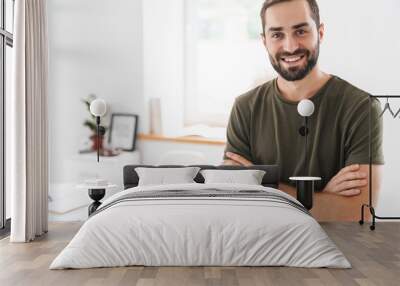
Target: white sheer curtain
{"x": 28, "y": 123}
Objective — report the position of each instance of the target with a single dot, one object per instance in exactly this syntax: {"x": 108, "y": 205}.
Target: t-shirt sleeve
{"x": 357, "y": 140}
{"x": 238, "y": 131}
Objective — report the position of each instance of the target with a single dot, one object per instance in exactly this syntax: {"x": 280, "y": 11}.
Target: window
{"x": 6, "y": 44}
{"x": 224, "y": 57}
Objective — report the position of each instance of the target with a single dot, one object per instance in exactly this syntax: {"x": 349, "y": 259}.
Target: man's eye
{"x": 277, "y": 35}
{"x": 300, "y": 32}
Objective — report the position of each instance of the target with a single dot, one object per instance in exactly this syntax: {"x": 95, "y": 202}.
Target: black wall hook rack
{"x": 370, "y": 203}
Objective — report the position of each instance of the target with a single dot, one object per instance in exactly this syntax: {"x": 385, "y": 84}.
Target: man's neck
{"x": 305, "y": 88}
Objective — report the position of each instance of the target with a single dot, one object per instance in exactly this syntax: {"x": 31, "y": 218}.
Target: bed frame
{"x": 270, "y": 179}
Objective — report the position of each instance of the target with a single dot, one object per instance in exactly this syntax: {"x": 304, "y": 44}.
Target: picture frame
{"x": 123, "y": 131}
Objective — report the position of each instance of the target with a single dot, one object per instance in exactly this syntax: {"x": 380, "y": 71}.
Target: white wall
{"x": 362, "y": 43}
{"x": 95, "y": 47}
{"x": 163, "y": 52}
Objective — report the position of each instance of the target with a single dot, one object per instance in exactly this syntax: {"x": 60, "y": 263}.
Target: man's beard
{"x": 295, "y": 73}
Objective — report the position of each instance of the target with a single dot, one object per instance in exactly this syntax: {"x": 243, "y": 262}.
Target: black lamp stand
{"x": 100, "y": 131}
{"x": 304, "y": 132}
{"x": 97, "y": 134}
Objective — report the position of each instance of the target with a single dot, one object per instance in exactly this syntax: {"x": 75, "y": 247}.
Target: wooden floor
{"x": 375, "y": 257}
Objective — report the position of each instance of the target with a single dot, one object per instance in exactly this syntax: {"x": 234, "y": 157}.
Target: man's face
{"x": 292, "y": 39}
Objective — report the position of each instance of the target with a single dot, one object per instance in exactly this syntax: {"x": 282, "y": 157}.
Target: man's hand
{"x": 348, "y": 182}
{"x": 236, "y": 160}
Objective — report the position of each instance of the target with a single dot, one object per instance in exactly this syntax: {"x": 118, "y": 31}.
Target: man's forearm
{"x": 331, "y": 207}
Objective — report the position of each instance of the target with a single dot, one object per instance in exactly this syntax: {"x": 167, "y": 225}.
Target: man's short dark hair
{"x": 312, "y": 3}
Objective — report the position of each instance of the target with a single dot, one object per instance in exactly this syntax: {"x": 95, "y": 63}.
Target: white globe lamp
{"x": 305, "y": 108}
{"x": 98, "y": 107}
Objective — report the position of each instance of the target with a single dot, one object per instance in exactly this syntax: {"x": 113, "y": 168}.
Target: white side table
{"x": 82, "y": 166}
{"x": 96, "y": 193}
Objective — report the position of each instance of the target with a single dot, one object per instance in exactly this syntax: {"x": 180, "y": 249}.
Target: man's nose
{"x": 290, "y": 45}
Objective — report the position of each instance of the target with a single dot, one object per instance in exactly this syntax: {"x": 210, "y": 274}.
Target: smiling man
{"x": 264, "y": 123}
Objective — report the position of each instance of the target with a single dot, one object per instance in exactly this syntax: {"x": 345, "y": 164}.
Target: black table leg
{"x": 305, "y": 193}
{"x": 96, "y": 195}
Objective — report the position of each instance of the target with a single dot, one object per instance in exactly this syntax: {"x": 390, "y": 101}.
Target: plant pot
{"x": 97, "y": 142}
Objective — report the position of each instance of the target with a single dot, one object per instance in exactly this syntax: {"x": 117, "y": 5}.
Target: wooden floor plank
{"x": 375, "y": 257}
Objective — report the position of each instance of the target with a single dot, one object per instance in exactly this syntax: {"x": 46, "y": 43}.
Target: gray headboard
{"x": 270, "y": 179}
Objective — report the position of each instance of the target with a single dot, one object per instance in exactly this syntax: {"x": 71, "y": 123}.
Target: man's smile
{"x": 292, "y": 59}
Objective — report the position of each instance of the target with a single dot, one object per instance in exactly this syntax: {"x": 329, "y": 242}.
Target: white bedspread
{"x": 200, "y": 231}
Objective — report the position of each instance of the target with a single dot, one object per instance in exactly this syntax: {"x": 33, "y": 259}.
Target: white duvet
{"x": 203, "y": 232}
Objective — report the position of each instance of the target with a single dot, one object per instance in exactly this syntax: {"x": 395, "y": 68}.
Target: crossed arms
{"x": 342, "y": 197}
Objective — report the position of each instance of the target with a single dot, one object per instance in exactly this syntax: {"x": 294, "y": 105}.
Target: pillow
{"x": 166, "y": 176}
{"x": 248, "y": 177}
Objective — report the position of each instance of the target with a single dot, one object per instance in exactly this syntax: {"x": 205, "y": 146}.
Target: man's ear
{"x": 321, "y": 32}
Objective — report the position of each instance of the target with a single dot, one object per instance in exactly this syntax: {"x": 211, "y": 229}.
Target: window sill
{"x": 183, "y": 139}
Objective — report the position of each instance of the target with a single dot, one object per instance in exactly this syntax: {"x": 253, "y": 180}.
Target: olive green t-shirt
{"x": 264, "y": 128}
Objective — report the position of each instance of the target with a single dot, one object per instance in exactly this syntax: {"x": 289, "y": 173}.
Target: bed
{"x": 201, "y": 224}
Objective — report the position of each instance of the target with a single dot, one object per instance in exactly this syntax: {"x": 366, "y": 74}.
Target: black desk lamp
{"x": 98, "y": 108}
